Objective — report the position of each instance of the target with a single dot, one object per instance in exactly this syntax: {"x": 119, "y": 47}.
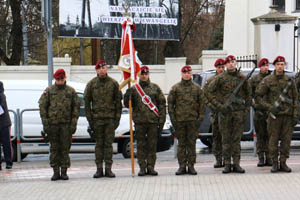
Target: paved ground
{"x": 31, "y": 180}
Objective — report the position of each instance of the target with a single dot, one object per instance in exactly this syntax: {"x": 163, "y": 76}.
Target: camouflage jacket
{"x": 206, "y": 95}
{"x": 59, "y": 104}
{"x": 141, "y": 112}
{"x": 186, "y": 102}
{"x": 269, "y": 90}
{"x": 102, "y": 99}
{"x": 254, "y": 82}
{"x": 220, "y": 89}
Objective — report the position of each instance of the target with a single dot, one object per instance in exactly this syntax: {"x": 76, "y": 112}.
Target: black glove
{"x": 116, "y": 123}
{"x": 73, "y": 129}
{"x": 295, "y": 121}
{"x": 45, "y": 136}
{"x": 274, "y": 110}
{"x": 91, "y": 132}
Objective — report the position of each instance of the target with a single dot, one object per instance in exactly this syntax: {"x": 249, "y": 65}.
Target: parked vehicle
{"x": 22, "y": 98}
{"x": 205, "y": 130}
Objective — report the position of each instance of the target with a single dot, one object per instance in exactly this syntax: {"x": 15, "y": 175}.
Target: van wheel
{"x": 126, "y": 148}
{"x": 14, "y": 158}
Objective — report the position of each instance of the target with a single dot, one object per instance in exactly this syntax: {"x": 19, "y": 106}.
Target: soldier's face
{"x": 264, "y": 69}
{"x": 279, "y": 67}
{"x": 231, "y": 65}
{"x": 144, "y": 76}
{"x": 60, "y": 81}
{"x": 220, "y": 69}
{"x": 187, "y": 75}
{"x": 102, "y": 71}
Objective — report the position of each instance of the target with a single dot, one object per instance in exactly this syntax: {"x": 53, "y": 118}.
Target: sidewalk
{"x": 31, "y": 180}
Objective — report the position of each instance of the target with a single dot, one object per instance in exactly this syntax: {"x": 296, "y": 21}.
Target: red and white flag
{"x": 129, "y": 62}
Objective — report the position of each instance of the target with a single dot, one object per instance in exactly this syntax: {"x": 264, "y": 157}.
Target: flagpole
{"x": 126, "y": 7}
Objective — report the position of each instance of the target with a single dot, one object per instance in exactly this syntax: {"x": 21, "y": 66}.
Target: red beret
{"x": 59, "y": 74}
{"x": 279, "y": 59}
{"x": 186, "y": 68}
{"x": 229, "y": 58}
{"x": 262, "y": 62}
{"x": 219, "y": 62}
{"x": 100, "y": 64}
{"x": 144, "y": 69}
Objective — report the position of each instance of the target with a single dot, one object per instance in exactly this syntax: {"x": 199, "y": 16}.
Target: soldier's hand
{"x": 116, "y": 124}
{"x": 73, "y": 129}
{"x": 45, "y": 136}
{"x": 274, "y": 110}
{"x": 91, "y": 132}
{"x": 295, "y": 121}
{"x": 224, "y": 109}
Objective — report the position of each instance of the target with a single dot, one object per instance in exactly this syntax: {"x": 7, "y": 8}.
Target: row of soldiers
{"x": 274, "y": 97}
{"x": 59, "y": 110}
{"x": 60, "y": 107}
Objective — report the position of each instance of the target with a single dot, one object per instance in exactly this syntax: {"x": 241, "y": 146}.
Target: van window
{"x": 82, "y": 109}
{"x": 198, "y": 79}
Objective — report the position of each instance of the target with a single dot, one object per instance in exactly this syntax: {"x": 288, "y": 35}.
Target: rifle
{"x": 233, "y": 98}
{"x": 282, "y": 97}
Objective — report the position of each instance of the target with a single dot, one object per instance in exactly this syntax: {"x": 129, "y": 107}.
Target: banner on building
{"x": 154, "y": 19}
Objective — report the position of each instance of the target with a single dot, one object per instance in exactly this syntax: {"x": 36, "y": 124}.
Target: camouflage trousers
{"x": 60, "y": 139}
{"x": 186, "y": 133}
{"x": 280, "y": 129}
{"x": 104, "y": 136}
{"x": 217, "y": 137}
{"x": 146, "y": 136}
{"x": 231, "y": 126}
{"x": 262, "y": 144}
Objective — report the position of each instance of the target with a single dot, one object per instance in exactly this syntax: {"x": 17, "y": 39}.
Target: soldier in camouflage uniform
{"x": 59, "y": 110}
{"x": 217, "y": 137}
{"x": 147, "y": 124}
{"x": 103, "y": 109}
{"x": 186, "y": 110}
{"x": 278, "y": 94}
{"x": 231, "y": 118}
{"x": 260, "y": 117}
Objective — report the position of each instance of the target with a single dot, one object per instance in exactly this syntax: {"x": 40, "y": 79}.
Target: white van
{"x": 22, "y": 99}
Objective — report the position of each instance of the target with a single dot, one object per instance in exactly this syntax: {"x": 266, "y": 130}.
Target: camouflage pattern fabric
{"x": 217, "y": 137}
{"x": 103, "y": 109}
{"x": 59, "y": 110}
{"x": 146, "y": 122}
{"x": 231, "y": 121}
{"x": 104, "y": 136}
{"x": 260, "y": 119}
{"x": 146, "y": 136}
{"x": 186, "y": 110}
{"x": 280, "y": 128}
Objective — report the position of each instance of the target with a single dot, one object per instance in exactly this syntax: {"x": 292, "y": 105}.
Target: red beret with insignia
{"x": 59, "y": 74}
{"x": 278, "y": 59}
{"x": 229, "y": 58}
{"x": 100, "y": 64}
{"x": 263, "y": 62}
{"x": 144, "y": 69}
{"x": 186, "y": 68}
{"x": 219, "y": 62}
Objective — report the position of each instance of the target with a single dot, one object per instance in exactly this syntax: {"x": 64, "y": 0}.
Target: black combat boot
{"x": 64, "y": 175}
{"x": 238, "y": 169}
{"x": 268, "y": 162}
{"x": 99, "y": 173}
{"x": 261, "y": 162}
{"x": 56, "y": 175}
{"x": 142, "y": 171}
{"x": 218, "y": 164}
{"x": 109, "y": 173}
{"x": 181, "y": 170}
{"x": 191, "y": 170}
{"x": 284, "y": 167}
{"x": 227, "y": 169}
{"x": 274, "y": 168}
{"x": 151, "y": 171}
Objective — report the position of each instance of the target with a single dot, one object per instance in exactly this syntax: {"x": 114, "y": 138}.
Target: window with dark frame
{"x": 297, "y": 4}
{"x": 280, "y": 4}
